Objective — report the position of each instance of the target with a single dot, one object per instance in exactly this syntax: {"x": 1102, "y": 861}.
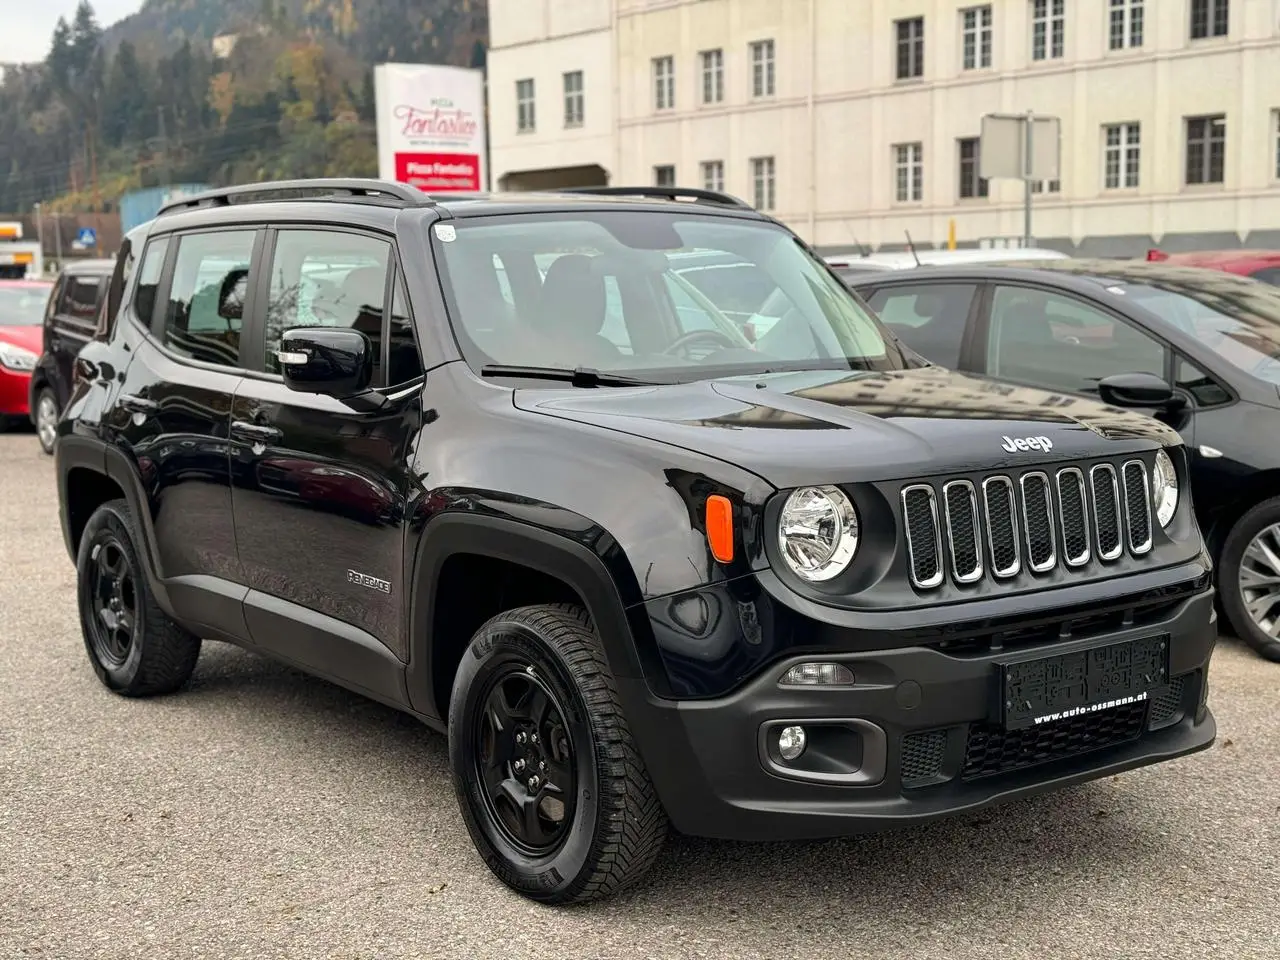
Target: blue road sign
{"x": 87, "y": 237}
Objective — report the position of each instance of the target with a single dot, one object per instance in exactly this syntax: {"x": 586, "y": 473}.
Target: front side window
{"x": 1048, "y": 339}
{"x": 908, "y": 169}
{"x": 1210, "y": 18}
{"x": 712, "y": 75}
{"x": 526, "y": 107}
{"x": 1126, "y": 25}
{"x": 205, "y": 312}
{"x": 1206, "y": 149}
{"x": 930, "y": 318}
{"x": 325, "y": 278}
{"x": 971, "y": 184}
{"x": 1048, "y": 29}
{"x": 910, "y": 47}
{"x": 575, "y": 108}
{"x": 975, "y": 31}
{"x": 1121, "y": 162}
{"x": 626, "y": 293}
{"x": 763, "y": 183}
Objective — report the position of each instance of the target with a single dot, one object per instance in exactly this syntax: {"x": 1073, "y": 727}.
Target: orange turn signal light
{"x": 720, "y": 527}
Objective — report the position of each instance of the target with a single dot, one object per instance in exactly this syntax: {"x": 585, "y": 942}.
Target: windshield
{"x": 661, "y": 297}
{"x": 22, "y": 304}
{"x": 1237, "y": 319}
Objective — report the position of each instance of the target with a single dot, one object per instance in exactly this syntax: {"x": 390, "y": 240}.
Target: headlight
{"x": 1164, "y": 489}
{"x": 17, "y": 358}
{"x": 818, "y": 532}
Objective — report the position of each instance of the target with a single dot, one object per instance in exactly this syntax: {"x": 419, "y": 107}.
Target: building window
{"x": 526, "y": 116}
{"x": 1206, "y": 149}
{"x": 763, "y": 80}
{"x": 712, "y": 76}
{"x": 1209, "y": 18}
{"x": 575, "y": 107}
{"x": 1048, "y": 29}
{"x": 908, "y": 168}
{"x": 1121, "y": 156}
{"x": 975, "y": 29}
{"x": 910, "y": 47}
{"x": 763, "y": 181}
{"x": 971, "y": 185}
{"x": 664, "y": 175}
{"x": 664, "y": 83}
{"x": 1126, "y": 24}
{"x": 1046, "y": 186}
{"x": 713, "y": 175}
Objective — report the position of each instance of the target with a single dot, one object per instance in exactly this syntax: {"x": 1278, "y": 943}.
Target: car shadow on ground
{"x": 994, "y": 858}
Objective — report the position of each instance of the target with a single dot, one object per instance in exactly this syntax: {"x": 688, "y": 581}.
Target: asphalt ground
{"x": 264, "y": 814}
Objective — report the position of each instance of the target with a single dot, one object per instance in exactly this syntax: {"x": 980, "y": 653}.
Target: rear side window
{"x": 78, "y": 307}
{"x": 205, "y": 312}
{"x": 144, "y": 297}
{"x": 930, "y": 318}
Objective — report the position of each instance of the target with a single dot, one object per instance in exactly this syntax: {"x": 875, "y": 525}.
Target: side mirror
{"x": 1138, "y": 390}
{"x": 336, "y": 361}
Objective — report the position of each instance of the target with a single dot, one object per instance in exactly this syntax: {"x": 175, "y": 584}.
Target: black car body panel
{"x": 365, "y": 540}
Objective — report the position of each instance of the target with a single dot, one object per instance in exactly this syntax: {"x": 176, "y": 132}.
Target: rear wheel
{"x": 135, "y": 649}
{"x": 552, "y": 789}
{"x": 1249, "y": 578}
{"x": 46, "y": 419}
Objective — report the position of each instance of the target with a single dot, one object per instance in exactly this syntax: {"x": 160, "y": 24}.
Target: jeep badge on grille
{"x": 1042, "y": 444}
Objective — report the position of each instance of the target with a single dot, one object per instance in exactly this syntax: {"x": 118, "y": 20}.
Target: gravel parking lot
{"x": 265, "y": 814}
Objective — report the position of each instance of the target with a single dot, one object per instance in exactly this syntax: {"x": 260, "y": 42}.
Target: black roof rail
{"x": 665, "y": 193}
{"x": 387, "y": 192}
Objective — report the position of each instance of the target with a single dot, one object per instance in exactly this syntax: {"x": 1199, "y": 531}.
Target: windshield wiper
{"x": 578, "y": 376}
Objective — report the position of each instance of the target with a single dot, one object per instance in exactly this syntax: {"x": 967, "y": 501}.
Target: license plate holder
{"x": 1037, "y": 689}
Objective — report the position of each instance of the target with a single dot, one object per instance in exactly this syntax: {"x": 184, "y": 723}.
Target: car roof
{"x": 930, "y": 258}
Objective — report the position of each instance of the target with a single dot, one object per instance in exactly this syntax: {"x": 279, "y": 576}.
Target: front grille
{"x": 1166, "y": 709}
{"x": 922, "y": 755}
{"x": 1031, "y": 521}
{"x": 992, "y": 750}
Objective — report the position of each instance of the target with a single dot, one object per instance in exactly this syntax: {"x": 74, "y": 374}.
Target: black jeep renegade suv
{"x": 493, "y": 461}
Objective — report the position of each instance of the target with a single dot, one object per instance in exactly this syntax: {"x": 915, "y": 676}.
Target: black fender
{"x": 602, "y": 577}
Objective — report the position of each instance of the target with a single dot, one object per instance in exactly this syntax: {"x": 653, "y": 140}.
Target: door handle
{"x": 255, "y": 431}
{"x": 136, "y": 404}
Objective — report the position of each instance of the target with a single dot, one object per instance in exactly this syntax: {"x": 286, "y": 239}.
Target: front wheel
{"x": 1249, "y": 578}
{"x": 551, "y": 786}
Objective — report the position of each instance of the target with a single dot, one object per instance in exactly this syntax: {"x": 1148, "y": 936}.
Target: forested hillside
{"x": 147, "y": 101}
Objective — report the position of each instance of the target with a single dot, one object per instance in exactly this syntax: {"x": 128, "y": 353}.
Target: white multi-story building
{"x": 857, "y": 121}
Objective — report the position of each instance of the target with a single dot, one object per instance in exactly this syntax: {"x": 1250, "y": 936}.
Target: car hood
{"x": 30, "y": 337}
{"x": 836, "y": 426}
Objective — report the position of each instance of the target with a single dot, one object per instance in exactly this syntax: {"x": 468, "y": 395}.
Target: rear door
{"x": 72, "y": 324}
{"x": 934, "y": 318}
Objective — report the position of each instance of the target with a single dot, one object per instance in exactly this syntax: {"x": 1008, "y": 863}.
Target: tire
{"x": 613, "y": 826}
{"x": 45, "y": 401}
{"x": 150, "y": 654}
{"x": 1254, "y": 523}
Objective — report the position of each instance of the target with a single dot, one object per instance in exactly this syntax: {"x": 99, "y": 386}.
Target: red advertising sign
{"x": 439, "y": 172}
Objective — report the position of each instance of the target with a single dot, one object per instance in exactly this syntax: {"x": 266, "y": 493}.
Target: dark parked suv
{"x": 798, "y": 587}
{"x": 70, "y": 321}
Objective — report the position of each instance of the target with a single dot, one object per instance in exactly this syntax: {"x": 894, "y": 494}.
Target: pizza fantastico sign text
{"x": 431, "y": 127}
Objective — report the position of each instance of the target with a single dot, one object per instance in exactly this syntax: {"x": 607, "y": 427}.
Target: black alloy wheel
{"x": 114, "y": 602}
{"x": 525, "y": 759}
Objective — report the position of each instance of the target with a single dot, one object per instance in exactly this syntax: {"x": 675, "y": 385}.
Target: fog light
{"x": 791, "y": 742}
{"x": 818, "y": 675}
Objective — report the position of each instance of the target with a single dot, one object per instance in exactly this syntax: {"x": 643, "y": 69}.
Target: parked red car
{"x": 22, "y": 306}
{"x": 1261, "y": 265}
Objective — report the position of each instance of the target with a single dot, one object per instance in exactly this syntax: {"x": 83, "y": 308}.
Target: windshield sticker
{"x": 446, "y": 233}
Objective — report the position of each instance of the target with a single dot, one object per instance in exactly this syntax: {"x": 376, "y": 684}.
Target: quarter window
{"x": 1206, "y": 391}
{"x": 324, "y": 278}
{"x": 1048, "y": 339}
{"x": 144, "y": 297}
{"x": 205, "y": 311}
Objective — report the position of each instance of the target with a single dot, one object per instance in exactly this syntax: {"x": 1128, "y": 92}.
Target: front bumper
{"x": 922, "y": 733}
{"x": 15, "y": 386}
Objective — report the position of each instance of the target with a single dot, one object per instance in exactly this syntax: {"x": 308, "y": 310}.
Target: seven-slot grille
{"x": 1035, "y": 521}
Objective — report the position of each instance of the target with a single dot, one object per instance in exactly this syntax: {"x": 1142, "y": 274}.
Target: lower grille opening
{"x": 1167, "y": 709}
{"x": 992, "y": 750}
{"x": 922, "y": 755}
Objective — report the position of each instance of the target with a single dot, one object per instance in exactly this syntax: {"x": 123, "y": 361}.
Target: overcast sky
{"x": 27, "y": 25}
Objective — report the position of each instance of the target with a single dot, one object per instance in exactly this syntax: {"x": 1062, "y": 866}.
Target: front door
{"x": 322, "y": 484}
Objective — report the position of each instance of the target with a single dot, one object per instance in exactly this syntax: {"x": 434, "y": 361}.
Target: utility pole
{"x": 40, "y": 229}
{"x": 57, "y": 238}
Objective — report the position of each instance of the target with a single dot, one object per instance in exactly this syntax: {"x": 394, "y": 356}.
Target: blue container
{"x": 139, "y": 206}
